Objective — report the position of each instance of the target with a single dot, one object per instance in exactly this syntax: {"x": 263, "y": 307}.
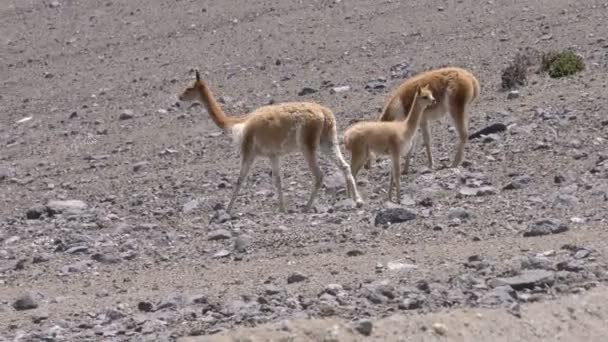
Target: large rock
{"x": 545, "y": 227}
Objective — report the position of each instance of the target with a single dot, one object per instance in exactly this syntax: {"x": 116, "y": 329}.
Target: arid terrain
{"x": 112, "y": 193}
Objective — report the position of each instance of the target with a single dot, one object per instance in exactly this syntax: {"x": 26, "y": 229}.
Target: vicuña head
{"x": 276, "y": 130}
{"x": 383, "y": 137}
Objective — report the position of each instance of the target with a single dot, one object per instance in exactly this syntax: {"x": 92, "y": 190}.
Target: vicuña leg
{"x": 426, "y": 136}
{"x": 460, "y": 121}
{"x": 276, "y": 174}
{"x": 332, "y": 151}
{"x": 395, "y": 176}
{"x": 246, "y": 162}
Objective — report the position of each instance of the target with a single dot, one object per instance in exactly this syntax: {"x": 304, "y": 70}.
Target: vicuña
{"x": 454, "y": 88}
{"x": 392, "y": 138}
{"x": 276, "y": 130}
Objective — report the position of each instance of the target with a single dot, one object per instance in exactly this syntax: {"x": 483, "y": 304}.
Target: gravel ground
{"x": 111, "y": 219}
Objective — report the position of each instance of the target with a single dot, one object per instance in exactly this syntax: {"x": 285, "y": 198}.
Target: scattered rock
{"x": 395, "y": 266}
{"x": 393, "y": 216}
{"x": 190, "y": 206}
{"x": 105, "y": 259}
{"x": 306, "y": 91}
{"x": 68, "y": 206}
{"x": 242, "y": 243}
{"x": 458, "y": 213}
{"x": 219, "y": 234}
{"x": 140, "y": 166}
{"x": 513, "y": 94}
{"x": 529, "y": 279}
{"x": 518, "y": 182}
{"x": 340, "y": 89}
{"x": 500, "y": 295}
{"x": 222, "y": 254}
{"x": 481, "y": 191}
{"x": 492, "y": 129}
{"x": 25, "y": 302}
{"x": 296, "y": 278}
{"x": 145, "y": 306}
{"x": 126, "y": 114}
{"x": 36, "y": 212}
{"x": 440, "y": 329}
{"x": 545, "y": 227}
{"x": 364, "y": 327}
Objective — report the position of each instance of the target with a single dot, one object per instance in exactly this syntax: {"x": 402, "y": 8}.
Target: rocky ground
{"x": 112, "y": 224}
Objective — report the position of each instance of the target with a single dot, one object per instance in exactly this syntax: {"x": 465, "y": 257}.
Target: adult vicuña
{"x": 392, "y": 138}
{"x": 454, "y": 88}
{"x": 276, "y": 130}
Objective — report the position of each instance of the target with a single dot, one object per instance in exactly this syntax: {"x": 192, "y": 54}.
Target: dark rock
{"x": 401, "y": 70}
{"x": 306, "y": 91}
{"x": 78, "y": 249}
{"x": 559, "y": 179}
{"x": 364, "y": 327}
{"x": 529, "y": 279}
{"x": 480, "y": 191}
{"x": 140, "y": 166}
{"x": 145, "y": 306}
{"x": 296, "y": 278}
{"x": 126, "y": 115}
{"x": 25, "y": 302}
{"x": 219, "y": 234}
{"x": 375, "y": 85}
{"x": 492, "y": 129}
{"x": 36, "y": 212}
{"x": 354, "y": 252}
{"x": 545, "y": 227}
{"x": 393, "y": 215}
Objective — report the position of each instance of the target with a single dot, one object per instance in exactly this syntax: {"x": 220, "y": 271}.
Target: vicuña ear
{"x": 198, "y": 76}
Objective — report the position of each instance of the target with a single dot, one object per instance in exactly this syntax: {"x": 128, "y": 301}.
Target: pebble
{"x": 364, "y": 327}
{"x": 126, "y": 114}
{"x": 545, "y": 227}
{"x": 296, "y": 277}
{"x": 393, "y": 215}
{"x": 26, "y": 302}
{"x": 219, "y": 234}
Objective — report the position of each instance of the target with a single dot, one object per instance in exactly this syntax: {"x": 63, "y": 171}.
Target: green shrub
{"x": 562, "y": 63}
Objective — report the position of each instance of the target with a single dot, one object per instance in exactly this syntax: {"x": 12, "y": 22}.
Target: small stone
{"x": 25, "y": 302}
{"x": 492, "y": 129}
{"x": 440, "y": 329}
{"x": 242, "y": 243}
{"x": 54, "y": 4}
{"x": 296, "y": 278}
{"x": 481, "y": 191}
{"x": 582, "y": 253}
{"x": 220, "y": 234}
{"x": 410, "y": 304}
{"x": 127, "y": 114}
{"x": 499, "y": 296}
{"x": 190, "y": 206}
{"x": 393, "y": 215}
{"x": 570, "y": 266}
{"x": 35, "y": 213}
{"x": 513, "y": 94}
{"x": 306, "y": 91}
{"x": 71, "y": 206}
{"x": 105, "y": 259}
{"x": 364, "y": 327}
{"x": 518, "y": 182}
{"x": 340, "y": 89}
{"x": 354, "y": 252}
{"x": 528, "y": 279}
{"x": 140, "y": 166}
{"x": 458, "y": 213}
{"x": 395, "y": 266}
{"x": 222, "y": 254}
{"x": 271, "y": 290}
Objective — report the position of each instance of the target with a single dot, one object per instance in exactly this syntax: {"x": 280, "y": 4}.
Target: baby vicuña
{"x": 392, "y": 138}
{"x": 276, "y": 130}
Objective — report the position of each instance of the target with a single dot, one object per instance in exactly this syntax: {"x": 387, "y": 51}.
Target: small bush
{"x": 562, "y": 63}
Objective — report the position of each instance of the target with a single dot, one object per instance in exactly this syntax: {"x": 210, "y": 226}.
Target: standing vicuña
{"x": 277, "y": 130}
{"x": 392, "y": 138}
{"x": 454, "y": 88}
